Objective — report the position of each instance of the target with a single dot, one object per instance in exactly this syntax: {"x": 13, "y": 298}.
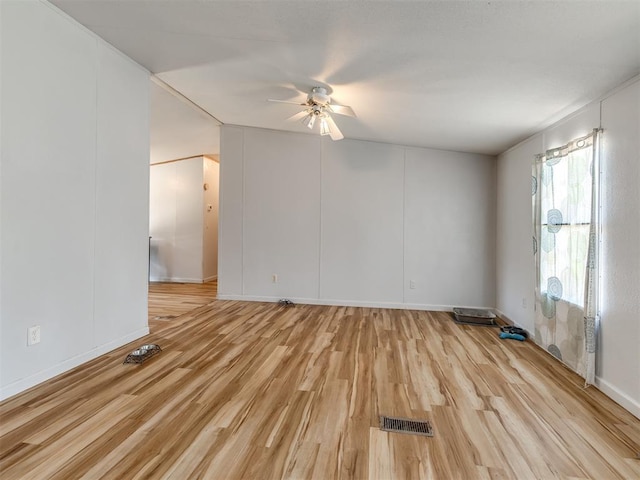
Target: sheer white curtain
{"x": 565, "y": 216}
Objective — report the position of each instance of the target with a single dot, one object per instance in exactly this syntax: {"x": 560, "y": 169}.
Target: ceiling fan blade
{"x": 342, "y": 109}
{"x": 287, "y": 101}
{"x": 298, "y": 116}
{"x": 334, "y": 131}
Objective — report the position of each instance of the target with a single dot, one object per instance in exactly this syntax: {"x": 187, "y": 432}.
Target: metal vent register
{"x": 405, "y": 425}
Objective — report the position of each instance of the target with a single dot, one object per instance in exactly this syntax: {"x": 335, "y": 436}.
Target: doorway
{"x": 184, "y": 179}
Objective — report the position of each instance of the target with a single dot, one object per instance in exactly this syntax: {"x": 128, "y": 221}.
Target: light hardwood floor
{"x": 261, "y": 391}
{"x": 170, "y": 300}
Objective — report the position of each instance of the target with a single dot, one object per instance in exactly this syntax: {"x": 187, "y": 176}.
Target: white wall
{"x": 188, "y": 238}
{"x": 176, "y": 220}
{"x": 449, "y": 228}
{"x": 230, "y": 225}
{"x": 281, "y": 213}
{"x": 184, "y": 231}
{"x": 618, "y": 364}
{"x": 122, "y": 199}
{"x": 515, "y": 272}
{"x": 74, "y": 195}
{"x": 162, "y": 220}
{"x": 351, "y": 222}
{"x": 362, "y": 220}
{"x": 211, "y": 213}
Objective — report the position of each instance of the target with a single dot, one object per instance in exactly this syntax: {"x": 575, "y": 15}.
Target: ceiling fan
{"x": 318, "y": 107}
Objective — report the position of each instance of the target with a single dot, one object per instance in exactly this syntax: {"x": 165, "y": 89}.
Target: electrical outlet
{"x": 274, "y": 278}
{"x": 33, "y": 335}
{"x": 412, "y": 285}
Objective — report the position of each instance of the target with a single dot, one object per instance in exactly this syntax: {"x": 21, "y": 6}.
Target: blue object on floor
{"x": 513, "y": 336}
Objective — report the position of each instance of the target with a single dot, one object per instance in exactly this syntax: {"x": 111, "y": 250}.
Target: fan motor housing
{"x": 319, "y": 95}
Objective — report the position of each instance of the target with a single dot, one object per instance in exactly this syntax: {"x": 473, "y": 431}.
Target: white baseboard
{"x": 633, "y": 406}
{"x": 621, "y": 398}
{"x": 348, "y": 303}
{"x": 507, "y": 319}
{"x": 212, "y": 277}
{"x": 44, "y": 375}
{"x": 176, "y": 279}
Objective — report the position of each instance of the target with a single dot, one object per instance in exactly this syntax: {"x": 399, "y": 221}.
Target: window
{"x": 565, "y": 216}
{"x": 565, "y": 220}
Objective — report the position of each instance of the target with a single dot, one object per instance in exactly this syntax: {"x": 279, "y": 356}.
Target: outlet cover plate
{"x": 33, "y": 335}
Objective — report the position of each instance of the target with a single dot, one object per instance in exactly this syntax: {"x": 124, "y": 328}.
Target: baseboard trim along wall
{"x": 509, "y": 320}
{"x": 177, "y": 280}
{"x": 619, "y": 397}
{"x": 609, "y": 390}
{"x": 350, "y": 303}
{"x": 33, "y": 380}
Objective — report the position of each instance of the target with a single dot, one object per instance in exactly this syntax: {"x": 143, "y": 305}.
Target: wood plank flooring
{"x": 262, "y": 391}
{"x": 170, "y": 300}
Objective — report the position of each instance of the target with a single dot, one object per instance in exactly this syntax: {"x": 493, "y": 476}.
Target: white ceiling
{"x": 178, "y": 129}
{"x": 475, "y": 76}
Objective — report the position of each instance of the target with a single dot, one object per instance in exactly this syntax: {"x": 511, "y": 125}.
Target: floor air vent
{"x": 405, "y": 425}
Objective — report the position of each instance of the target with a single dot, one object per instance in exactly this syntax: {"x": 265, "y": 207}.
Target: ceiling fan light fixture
{"x": 309, "y": 120}
{"x": 319, "y": 96}
{"x": 319, "y": 105}
{"x": 324, "y": 127}
{"x": 312, "y": 121}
